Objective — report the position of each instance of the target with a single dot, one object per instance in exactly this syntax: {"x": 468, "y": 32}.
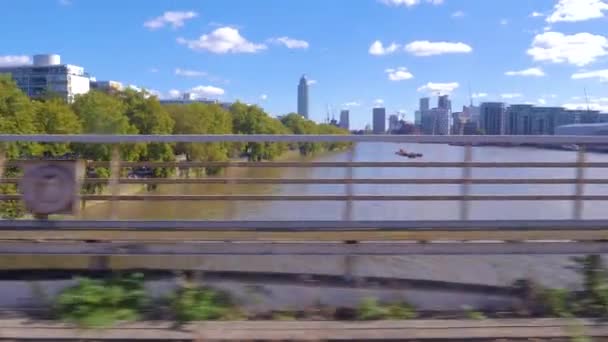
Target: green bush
{"x": 370, "y": 309}
{"x": 202, "y": 304}
{"x": 555, "y": 302}
{"x": 102, "y": 303}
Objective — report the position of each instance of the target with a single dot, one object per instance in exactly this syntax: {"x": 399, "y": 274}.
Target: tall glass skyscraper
{"x": 303, "y": 97}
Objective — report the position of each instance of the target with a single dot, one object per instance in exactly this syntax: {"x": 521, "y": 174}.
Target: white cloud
{"x": 153, "y": 70}
{"x": 174, "y": 18}
{"x": 536, "y": 14}
{"x": 443, "y": 88}
{"x": 399, "y": 74}
{"x": 174, "y": 93}
{"x": 14, "y": 60}
{"x": 578, "y": 49}
{"x": 189, "y": 73}
{"x": 378, "y": 102}
{"x": 263, "y": 97}
{"x": 458, "y": 14}
{"x": 511, "y": 95}
{"x": 223, "y": 40}
{"x": 602, "y": 75}
{"x": 207, "y": 91}
{"x": 290, "y": 43}
{"x": 65, "y": 2}
{"x": 427, "y": 48}
{"x": 409, "y": 3}
{"x": 312, "y": 82}
{"x": 352, "y": 104}
{"x": 479, "y": 95}
{"x": 531, "y": 72}
{"x": 504, "y": 22}
{"x": 601, "y": 106}
{"x": 378, "y": 49}
{"x": 577, "y": 10}
{"x": 542, "y": 101}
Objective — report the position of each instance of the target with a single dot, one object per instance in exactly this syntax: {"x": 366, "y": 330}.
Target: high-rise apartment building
{"x": 393, "y": 122}
{"x": 425, "y": 104}
{"x": 48, "y": 75}
{"x": 379, "y": 120}
{"x": 303, "y": 97}
{"x": 444, "y": 102}
{"x": 345, "y": 119}
{"x": 493, "y": 118}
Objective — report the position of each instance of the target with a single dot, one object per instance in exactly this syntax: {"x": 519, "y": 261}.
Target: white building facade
{"x": 48, "y": 75}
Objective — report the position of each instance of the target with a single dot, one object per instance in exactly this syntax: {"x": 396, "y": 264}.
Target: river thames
{"x": 321, "y": 210}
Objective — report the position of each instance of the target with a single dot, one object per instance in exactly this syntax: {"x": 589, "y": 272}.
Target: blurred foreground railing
{"x": 466, "y": 181}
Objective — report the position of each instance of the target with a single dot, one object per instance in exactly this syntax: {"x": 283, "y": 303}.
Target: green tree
{"x": 101, "y": 113}
{"x": 199, "y": 118}
{"x": 149, "y": 117}
{"x": 54, "y": 116}
{"x": 17, "y": 116}
{"x": 253, "y": 120}
{"x": 299, "y": 125}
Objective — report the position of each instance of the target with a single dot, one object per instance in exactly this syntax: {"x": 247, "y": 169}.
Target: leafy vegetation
{"x": 371, "y": 309}
{"x": 139, "y": 112}
{"x": 202, "y": 304}
{"x": 102, "y": 303}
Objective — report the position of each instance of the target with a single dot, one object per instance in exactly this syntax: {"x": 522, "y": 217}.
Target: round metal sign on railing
{"x": 49, "y": 187}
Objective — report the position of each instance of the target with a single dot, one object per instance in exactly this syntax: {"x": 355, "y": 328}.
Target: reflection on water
{"x": 381, "y": 210}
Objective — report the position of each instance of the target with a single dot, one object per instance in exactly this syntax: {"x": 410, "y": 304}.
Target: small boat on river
{"x": 404, "y": 153}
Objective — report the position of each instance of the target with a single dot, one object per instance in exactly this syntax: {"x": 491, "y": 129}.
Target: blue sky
{"x": 358, "y": 52}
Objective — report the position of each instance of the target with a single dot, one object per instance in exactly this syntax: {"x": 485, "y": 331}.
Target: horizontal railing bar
{"x": 485, "y": 139}
{"x": 490, "y": 165}
{"x": 304, "y": 249}
{"x": 332, "y": 198}
{"x": 287, "y": 226}
{"x": 353, "y": 164}
{"x": 325, "y": 235}
{"x": 335, "y": 181}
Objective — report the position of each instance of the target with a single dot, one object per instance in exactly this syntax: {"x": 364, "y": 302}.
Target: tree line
{"x": 138, "y": 112}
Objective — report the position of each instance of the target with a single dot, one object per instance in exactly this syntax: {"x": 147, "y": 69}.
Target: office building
{"x": 443, "y": 102}
{"x": 379, "y": 120}
{"x": 393, "y": 122}
{"x": 532, "y": 120}
{"x": 458, "y": 120}
{"x": 303, "y": 97}
{"x": 436, "y": 121}
{"x": 424, "y": 104}
{"x": 48, "y": 75}
{"x": 345, "y": 119}
{"x": 492, "y": 118}
{"x": 418, "y": 118}
{"x": 106, "y": 86}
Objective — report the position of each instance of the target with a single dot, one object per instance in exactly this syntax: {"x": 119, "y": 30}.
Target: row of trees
{"x": 133, "y": 112}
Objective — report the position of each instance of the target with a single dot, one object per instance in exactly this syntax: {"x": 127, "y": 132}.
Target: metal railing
{"x": 465, "y": 196}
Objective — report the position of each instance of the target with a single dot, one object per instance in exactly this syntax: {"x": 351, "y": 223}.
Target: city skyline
{"x": 549, "y": 53}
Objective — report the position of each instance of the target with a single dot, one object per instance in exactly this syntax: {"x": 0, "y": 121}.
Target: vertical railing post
{"x": 114, "y": 182}
{"x": 348, "y": 206}
{"x": 580, "y": 185}
{"x": 230, "y": 211}
{"x": 465, "y": 188}
{"x": 349, "y": 260}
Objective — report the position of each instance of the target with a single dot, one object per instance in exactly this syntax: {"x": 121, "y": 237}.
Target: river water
{"x": 320, "y": 210}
